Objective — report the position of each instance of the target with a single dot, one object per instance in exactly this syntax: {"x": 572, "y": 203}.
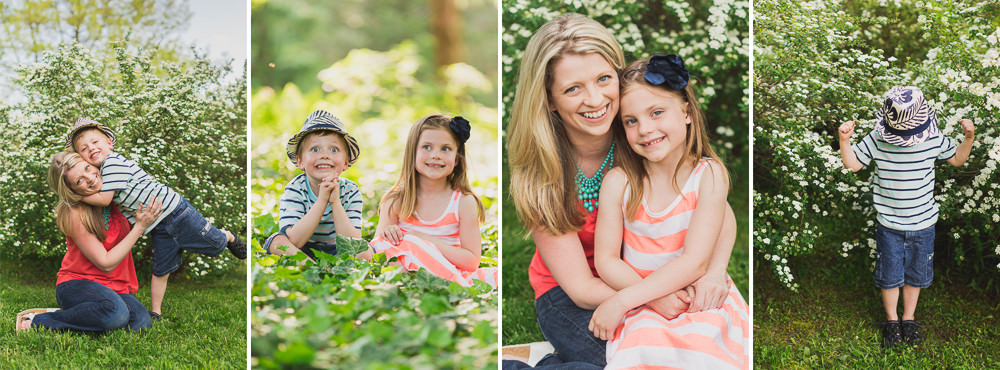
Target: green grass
{"x": 519, "y": 325}
{"x": 830, "y": 322}
{"x": 204, "y": 325}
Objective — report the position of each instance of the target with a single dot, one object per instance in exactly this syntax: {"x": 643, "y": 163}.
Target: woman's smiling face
{"x": 84, "y": 179}
{"x": 584, "y": 92}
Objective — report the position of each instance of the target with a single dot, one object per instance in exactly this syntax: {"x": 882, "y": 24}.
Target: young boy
{"x": 904, "y": 146}
{"x": 318, "y": 204}
{"x": 179, "y": 227}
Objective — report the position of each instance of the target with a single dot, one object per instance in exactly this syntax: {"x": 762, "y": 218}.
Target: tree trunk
{"x": 446, "y": 25}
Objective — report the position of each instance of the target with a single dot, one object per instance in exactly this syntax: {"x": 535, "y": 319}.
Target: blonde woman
{"x": 561, "y": 145}
{"x": 96, "y": 283}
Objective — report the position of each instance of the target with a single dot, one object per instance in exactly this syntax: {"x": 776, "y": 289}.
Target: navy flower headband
{"x": 666, "y": 71}
{"x": 460, "y": 126}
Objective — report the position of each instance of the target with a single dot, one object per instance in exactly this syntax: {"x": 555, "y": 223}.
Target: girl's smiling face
{"x": 584, "y": 92}
{"x": 437, "y": 151}
{"x": 84, "y": 179}
{"x": 656, "y": 122}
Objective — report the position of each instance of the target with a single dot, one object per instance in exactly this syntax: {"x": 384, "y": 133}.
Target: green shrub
{"x": 821, "y": 63}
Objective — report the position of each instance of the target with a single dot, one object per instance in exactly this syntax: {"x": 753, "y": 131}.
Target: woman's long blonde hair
{"x": 68, "y": 200}
{"x": 696, "y": 142}
{"x": 402, "y": 197}
{"x": 542, "y": 159}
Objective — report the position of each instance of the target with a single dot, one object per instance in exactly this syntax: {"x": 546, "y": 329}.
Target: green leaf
{"x": 297, "y": 353}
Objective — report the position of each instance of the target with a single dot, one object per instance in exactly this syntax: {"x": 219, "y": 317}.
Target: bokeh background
{"x": 713, "y": 39}
{"x": 379, "y": 66}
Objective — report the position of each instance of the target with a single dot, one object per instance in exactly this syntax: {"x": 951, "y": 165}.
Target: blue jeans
{"x": 904, "y": 257}
{"x": 564, "y": 325}
{"x": 549, "y": 362}
{"x": 90, "y": 306}
{"x": 183, "y": 229}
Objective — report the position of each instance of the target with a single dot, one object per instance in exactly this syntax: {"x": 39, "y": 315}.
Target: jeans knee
{"x": 116, "y": 314}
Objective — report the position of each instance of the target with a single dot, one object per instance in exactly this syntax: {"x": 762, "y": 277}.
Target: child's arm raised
{"x": 100, "y": 199}
{"x": 342, "y": 224}
{"x": 466, "y": 256}
{"x": 93, "y": 249}
{"x": 965, "y": 148}
{"x": 682, "y": 271}
{"x": 847, "y": 155}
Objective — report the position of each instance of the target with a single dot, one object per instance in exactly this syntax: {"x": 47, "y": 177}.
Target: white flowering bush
{"x": 183, "y": 122}
{"x": 711, "y": 36}
{"x": 818, "y": 64}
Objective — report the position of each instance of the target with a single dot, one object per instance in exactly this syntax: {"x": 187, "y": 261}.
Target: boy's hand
{"x": 846, "y": 130}
{"x": 325, "y": 187}
{"x": 968, "y": 128}
{"x": 334, "y": 182}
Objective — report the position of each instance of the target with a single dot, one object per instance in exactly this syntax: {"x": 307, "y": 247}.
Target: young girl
{"x": 430, "y": 218}
{"x": 656, "y": 242}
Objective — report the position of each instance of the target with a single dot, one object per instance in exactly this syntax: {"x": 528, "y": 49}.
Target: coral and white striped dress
{"x": 416, "y": 253}
{"x": 712, "y": 339}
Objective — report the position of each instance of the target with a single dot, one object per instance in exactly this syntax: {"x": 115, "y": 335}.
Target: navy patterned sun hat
{"x": 323, "y": 120}
{"x": 85, "y": 123}
{"x": 905, "y": 118}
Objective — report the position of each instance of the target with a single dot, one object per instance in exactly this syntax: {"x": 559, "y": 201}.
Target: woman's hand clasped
{"x": 148, "y": 213}
{"x": 606, "y": 318}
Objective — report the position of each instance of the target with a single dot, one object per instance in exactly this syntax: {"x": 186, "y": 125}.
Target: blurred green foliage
{"x": 293, "y": 39}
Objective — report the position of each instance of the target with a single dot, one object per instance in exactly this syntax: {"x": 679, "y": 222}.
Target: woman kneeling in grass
{"x": 96, "y": 283}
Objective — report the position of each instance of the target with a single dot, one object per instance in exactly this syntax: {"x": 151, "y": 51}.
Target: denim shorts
{"x": 904, "y": 257}
{"x": 308, "y": 249}
{"x": 183, "y": 229}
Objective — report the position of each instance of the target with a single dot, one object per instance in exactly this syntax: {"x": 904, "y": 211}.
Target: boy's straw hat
{"x": 85, "y": 123}
{"x": 905, "y": 118}
{"x": 323, "y": 120}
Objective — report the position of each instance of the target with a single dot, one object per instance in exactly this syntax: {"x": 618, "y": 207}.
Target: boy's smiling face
{"x": 93, "y": 146}
{"x": 322, "y": 154}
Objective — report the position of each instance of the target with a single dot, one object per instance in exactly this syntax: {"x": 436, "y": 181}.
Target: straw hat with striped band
{"x": 85, "y": 123}
{"x": 322, "y": 120}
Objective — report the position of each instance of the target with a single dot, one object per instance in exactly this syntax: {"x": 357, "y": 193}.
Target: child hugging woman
{"x": 651, "y": 243}
{"x": 430, "y": 218}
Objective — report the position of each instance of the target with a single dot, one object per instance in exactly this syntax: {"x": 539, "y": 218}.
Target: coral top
{"x": 538, "y": 273}
{"x": 76, "y": 266}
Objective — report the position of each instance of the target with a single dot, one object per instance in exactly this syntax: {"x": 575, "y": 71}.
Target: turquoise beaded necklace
{"x": 588, "y": 188}
{"x": 107, "y": 218}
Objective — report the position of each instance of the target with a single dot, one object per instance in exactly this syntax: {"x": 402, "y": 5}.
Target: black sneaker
{"x": 237, "y": 247}
{"x": 154, "y": 316}
{"x": 891, "y": 333}
{"x": 911, "y": 332}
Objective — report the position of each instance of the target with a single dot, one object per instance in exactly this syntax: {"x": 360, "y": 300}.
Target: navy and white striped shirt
{"x": 299, "y": 197}
{"x": 132, "y": 187}
{"x": 903, "y": 189}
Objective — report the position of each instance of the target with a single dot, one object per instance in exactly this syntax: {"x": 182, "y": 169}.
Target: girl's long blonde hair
{"x": 542, "y": 159}
{"x": 90, "y": 216}
{"x": 403, "y": 195}
{"x": 696, "y": 142}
